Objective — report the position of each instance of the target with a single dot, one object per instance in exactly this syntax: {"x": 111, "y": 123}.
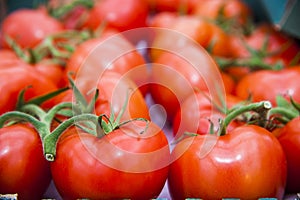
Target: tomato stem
{"x": 261, "y": 108}
{"x": 50, "y": 141}
{"x": 252, "y": 63}
{"x": 63, "y": 10}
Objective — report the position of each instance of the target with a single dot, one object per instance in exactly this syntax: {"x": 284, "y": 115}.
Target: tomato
{"x": 50, "y": 70}
{"x": 130, "y": 15}
{"x": 188, "y": 27}
{"x": 267, "y": 84}
{"x": 174, "y": 78}
{"x": 119, "y": 165}
{"x": 119, "y": 56}
{"x": 205, "y": 33}
{"x": 47, "y": 68}
{"x": 162, "y": 19}
{"x": 8, "y": 58}
{"x": 278, "y": 45}
{"x": 23, "y": 169}
{"x": 223, "y": 10}
{"x": 246, "y": 163}
{"x": 29, "y": 26}
{"x": 219, "y": 44}
{"x": 290, "y": 141}
{"x": 197, "y": 112}
{"x": 115, "y": 92}
{"x": 17, "y": 78}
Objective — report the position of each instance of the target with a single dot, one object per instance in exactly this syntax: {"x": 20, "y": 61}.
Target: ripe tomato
{"x": 267, "y": 84}
{"x": 132, "y": 14}
{"x": 117, "y": 166}
{"x": 8, "y": 58}
{"x": 50, "y": 70}
{"x": 162, "y": 19}
{"x": 197, "y": 112}
{"x": 236, "y": 165}
{"x": 290, "y": 141}
{"x": 23, "y": 169}
{"x": 275, "y": 45}
{"x": 29, "y": 26}
{"x": 223, "y": 10}
{"x": 205, "y": 33}
{"x": 174, "y": 79}
{"x": 109, "y": 52}
{"x": 17, "y": 78}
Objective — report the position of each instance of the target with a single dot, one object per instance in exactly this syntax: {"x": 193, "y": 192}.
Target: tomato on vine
{"x": 226, "y": 165}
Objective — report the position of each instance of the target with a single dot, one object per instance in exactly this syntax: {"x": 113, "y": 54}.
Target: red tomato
{"x": 290, "y": 141}
{"x": 278, "y": 46}
{"x": 47, "y": 68}
{"x": 50, "y": 70}
{"x": 109, "y": 52}
{"x": 267, "y": 84}
{"x": 23, "y": 169}
{"x": 236, "y": 165}
{"x": 219, "y": 43}
{"x": 119, "y": 15}
{"x": 17, "y": 78}
{"x": 205, "y": 33}
{"x": 174, "y": 79}
{"x": 224, "y": 9}
{"x": 8, "y": 58}
{"x": 29, "y": 26}
{"x": 117, "y": 166}
{"x": 197, "y": 112}
{"x": 162, "y": 19}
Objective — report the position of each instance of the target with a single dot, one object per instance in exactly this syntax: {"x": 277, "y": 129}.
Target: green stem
{"x": 64, "y": 9}
{"x": 260, "y": 107}
{"x": 53, "y": 111}
{"x": 289, "y": 114}
{"x": 34, "y": 110}
{"x": 251, "y": 63}
{"x": 41, "y": 127}
{"x": 50, "y": 141}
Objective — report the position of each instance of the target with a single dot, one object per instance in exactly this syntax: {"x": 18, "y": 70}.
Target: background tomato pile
{"x": 246, "y": 145}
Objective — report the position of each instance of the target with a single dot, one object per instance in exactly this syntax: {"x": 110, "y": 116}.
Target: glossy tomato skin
{"x": 118, "y": 15}
{"x": 290, "y": 140}
{"x": 19, "y": 77}
{"x": 50, "y": 70}
{"x": 117, "y": 166}
{"x": 197, "y": 112}
{"x": 129, "y": 63}
{"x": 229, "y": 9}
{"x": 23, "y": 169}
{"x": 29, "y": 26}
{"x": 174, "y": 79}
{"x": 275, "y": 46}
{"x": 246, "y": 163}
{"x": 267, "y": 84}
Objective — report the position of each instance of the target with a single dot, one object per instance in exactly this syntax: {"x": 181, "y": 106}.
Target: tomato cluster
{"x": 80, "y": 81}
